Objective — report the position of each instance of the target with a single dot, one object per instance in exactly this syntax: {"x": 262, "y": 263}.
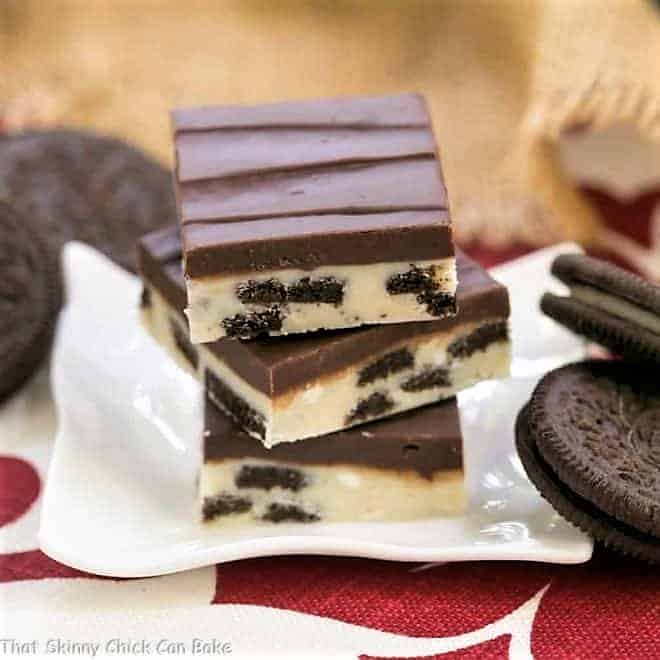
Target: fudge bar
{"x": 282, "y": 389}
{"x": 406, "y": 467}
{"x": 311, "y": 215}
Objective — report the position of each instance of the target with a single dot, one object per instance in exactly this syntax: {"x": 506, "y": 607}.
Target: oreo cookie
{"x": 607, "y": 305}
{"x": 253, "y": 324}
{"x": 225, "y": 504}
{"x": 267, "y": 477}
{"x": 589, "y": 440}
{"x": 30, "y": 297}
{"x": 246, "y": 416}
{"x": 374, "y": 405}
{"x": 72, "y": 185}
{"x": 284, "y": 512}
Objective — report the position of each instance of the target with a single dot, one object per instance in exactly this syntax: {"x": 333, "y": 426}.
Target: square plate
{"x": 120, "y": 494}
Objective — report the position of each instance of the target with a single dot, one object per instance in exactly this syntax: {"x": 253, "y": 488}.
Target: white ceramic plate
{"x": 119, "y": 499}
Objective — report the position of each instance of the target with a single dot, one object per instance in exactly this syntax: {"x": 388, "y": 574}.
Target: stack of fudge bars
{"x": 313, "y": 288}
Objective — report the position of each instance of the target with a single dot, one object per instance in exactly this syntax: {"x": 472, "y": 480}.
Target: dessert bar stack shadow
{"x": 313, "y": 288}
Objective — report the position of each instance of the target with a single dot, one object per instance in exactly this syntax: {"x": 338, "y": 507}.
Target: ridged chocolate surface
{"x": 355, "y": 112}
{"x": 297, "y": 185}
{"x": 426, "y": 440}
{"x": 279, "y": 364}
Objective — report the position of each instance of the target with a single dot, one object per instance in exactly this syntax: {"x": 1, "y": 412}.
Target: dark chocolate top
{"x": 296, "y": 185}
{"x": 275, "y": 365}
{"x": 426, "y": 440}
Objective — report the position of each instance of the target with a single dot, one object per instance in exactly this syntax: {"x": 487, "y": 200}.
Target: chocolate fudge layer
{"x": 312, "y": 215}
{"x": 406, "y": 467}
{"x": 284, "y": 389}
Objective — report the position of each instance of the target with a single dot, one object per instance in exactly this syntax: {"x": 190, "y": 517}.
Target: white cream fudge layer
{"x": 327, "y": 493}
{"x": 434, "y": 375}
{"x": 287, "y": 301}
{"x": 412, "y": 373}
{"x": 618, "y": 307}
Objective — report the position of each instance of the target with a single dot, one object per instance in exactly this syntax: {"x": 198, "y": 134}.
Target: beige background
{"x": 504, "y": 79}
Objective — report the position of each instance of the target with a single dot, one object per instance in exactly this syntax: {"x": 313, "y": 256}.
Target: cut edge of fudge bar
{"x": 294, "y": 301}
{"x": 407, "y": 467}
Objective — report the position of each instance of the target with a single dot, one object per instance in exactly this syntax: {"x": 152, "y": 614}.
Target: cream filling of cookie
{"x": 339, "y": 400}
{"x": 330, "y": 493}
{"x": 617, "y": 307}
{"x": 358, "y": 295}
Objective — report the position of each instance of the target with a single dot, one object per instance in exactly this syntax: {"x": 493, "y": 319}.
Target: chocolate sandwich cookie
{"x": 71, "y": 185}
{"x": 589, "y": 440}
{"x": 607, "y": 305}
{"x": 30, "y": 295}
